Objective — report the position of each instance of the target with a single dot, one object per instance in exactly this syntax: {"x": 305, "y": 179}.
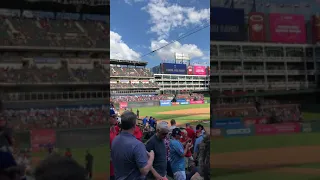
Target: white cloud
{"x": 166, "y": 17}
{"x": 132, "y": 1}
{"x": 120, "y": 50}
{"x": 167, "y": 53}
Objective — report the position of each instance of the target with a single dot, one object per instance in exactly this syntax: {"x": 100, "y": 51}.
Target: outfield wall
{"x": 63, "y": 138}
{"x": 235, "y": 128}
{"x": 137, "y": 104}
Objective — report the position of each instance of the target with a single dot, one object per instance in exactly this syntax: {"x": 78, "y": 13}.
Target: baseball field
{"x": 183, "y": 114}
{"x": 293, "y": 156}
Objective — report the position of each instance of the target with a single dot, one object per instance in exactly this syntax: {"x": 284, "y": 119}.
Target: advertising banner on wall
{"x": 181, "y": 100}
{"x": 190, "y": 70}
{"x": 227, "y": 24}
{"x": 215, "y": 132}
{"x": 123, "y": 105}
{"x": 171, "y": 68}
{"x": 222, "y": 123}
{"x": 316, "y": 28}
{"x": 165, "y": 102}
{"x": 255, "y": 120}
{"x": 184, "y": 103}
{"x": 231, "y": 132}
{"x": 199, "y": 70}
{"x": 287, "y": 28}
{"x": 42, "y": 138}
{"x": 272, "y": 129}
{"x": 197, "y": 102}
{"x": 256, "y": 27}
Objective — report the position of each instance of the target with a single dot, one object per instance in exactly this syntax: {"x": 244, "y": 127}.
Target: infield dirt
{"x": 273, "y": 159}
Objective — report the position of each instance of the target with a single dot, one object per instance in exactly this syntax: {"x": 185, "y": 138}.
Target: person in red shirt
{"x": 68, "y": 153}
{"x": 138, "y": 133}
{"x": 184, "y": 140}
{"x": 191, "y": 133}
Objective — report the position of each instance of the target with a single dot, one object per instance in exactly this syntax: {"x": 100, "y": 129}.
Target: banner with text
{"x": 184, "y": 103}
{"x": 42, "y": 138}
{"x": 245, "y": 131}
{"x": 170, "y": 68}
{"x": 222, "y": 123}
{"x": 227, "y": 24}
{"x": 287, "y": 28}
{"x": 197, "y": 102}
{"x": 272, "y": 129}
{"x": 165, "y": 102}
{"x": 255, "y": 120}
{"x": 199, "y": 70}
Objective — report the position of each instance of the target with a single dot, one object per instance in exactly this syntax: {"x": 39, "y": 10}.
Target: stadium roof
{"x": 128, "y": 62}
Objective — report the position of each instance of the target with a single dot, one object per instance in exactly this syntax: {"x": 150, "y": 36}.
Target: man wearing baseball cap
{"x": 177, "y": 154}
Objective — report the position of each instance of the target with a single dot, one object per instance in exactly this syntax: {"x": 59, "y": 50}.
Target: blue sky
{"x": 138, "y": 27}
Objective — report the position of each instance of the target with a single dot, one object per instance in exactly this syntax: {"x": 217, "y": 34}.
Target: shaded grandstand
{"x": 53, "y": 69}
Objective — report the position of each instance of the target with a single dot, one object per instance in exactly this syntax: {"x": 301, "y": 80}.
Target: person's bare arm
{"x": 145, "y": 170}
{"x": 186, "y": 149}
{"x": 155, "y": 173}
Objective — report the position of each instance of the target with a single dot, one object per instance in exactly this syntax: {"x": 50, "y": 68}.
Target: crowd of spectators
{"x": 27, "y": 119}
{"x": 139, "y": 84}
{"x": 160, "y": 151}
{"x": 22, "y": 31}
{"x": 250, "y": 107}
{"x": 137, "y": 98}
{"x": 49, "y": 74}
{"x": 130, "y": 72}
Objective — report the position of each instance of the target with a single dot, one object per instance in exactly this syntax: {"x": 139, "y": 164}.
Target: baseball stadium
{"x": 265, "y": 90}
{"x": 53, "y": 69}
{"x": 163, "y": 96}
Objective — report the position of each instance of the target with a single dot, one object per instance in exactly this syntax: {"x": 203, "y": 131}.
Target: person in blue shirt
{"x": 145, "y": 121}
{"x": 197, "y": 143}
{"x": 152, "y": 122}
{"x": 177, "y": 153}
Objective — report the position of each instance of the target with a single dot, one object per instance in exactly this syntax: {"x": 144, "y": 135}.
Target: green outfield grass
{"x": 237, "y": 144}
{"x": 155, "y": 110}
{"x": 100, "y": 154}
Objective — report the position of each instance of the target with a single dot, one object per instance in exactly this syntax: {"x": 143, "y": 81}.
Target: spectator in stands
{"x": 127, "y": 150}
{"x": 68, "y": 153}
{"x": 138, "y": 133}
{"x": 191, "y": 133}
{"x": 113, "y": 134}
{"x": 59, "y": 167}
{"x": 152, "y": 123}
{"x": 173, "y": 125}
{"x": 145, "y": 121}
{"x": 177, "y": 154}
{"x": 184, "y": 140}
{"x": 201, "y": 128}
{"x": 157, "y": 144}
{"x": 199, "y": 139}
